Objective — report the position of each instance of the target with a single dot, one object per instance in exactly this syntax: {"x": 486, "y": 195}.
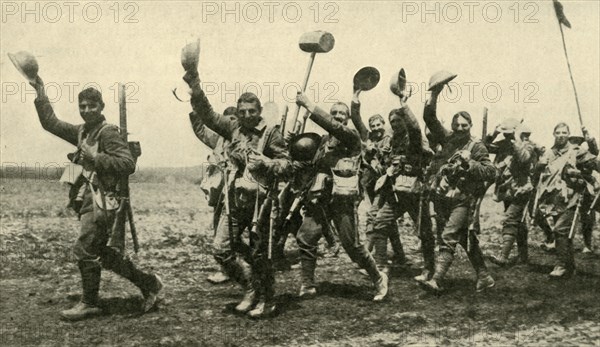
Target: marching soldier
{"x": 515, "y": 160}
{"x": 256, "y": 153}
{"x": 566, "y": 175}
{"x": 333, "y": 197}
{"x": 401, "y": 188}
{"x": 376, "y": 146}
{"x": 588, "y": 219}
{"x": 460, "y": 168}
{"x": 212, "y": 182}
{"x": 105, "y": 158}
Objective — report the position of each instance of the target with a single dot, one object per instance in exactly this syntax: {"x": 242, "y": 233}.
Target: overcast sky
{"x": 508, "y": 56}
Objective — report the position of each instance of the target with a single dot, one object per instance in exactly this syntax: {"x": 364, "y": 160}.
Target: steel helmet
{"x": 440, "y": 78}
{"x": 26, "y": 63}
{"x": 303, "y": 147}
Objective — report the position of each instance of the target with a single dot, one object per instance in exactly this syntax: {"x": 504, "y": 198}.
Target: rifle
{"x": 125, "y": 212}
{"x": 575, "y": 217}
{"x": 594, "y": 202}
{"x": 484, "y": 128}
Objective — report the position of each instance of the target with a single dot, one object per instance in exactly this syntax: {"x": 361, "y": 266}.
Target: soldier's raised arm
{"x": 430, "y": 117}
{"x": 203, "y": 133}
{"x": 356, "y": 117}
{"x": 349, "y": 137}
{"x": 203, "y": 109}
{"x": 591, "y": 141}
{"x": 66, "y": 131}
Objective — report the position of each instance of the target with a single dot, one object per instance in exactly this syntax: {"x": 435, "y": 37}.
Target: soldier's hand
{"x": 586, "y": 133}
{"x": 38, "y": 85}
{"x": 191, "y": 77}
{"x": 404, "y": 95}
{"x": 355, "y": 96}
{"x": 257, "y": 162}
{"x": 88, "y": 153}
{"x": 304, "y": 101}
{"x": 437, "y": 90}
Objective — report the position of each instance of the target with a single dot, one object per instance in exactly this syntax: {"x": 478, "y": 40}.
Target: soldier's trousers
{"x": 317, "y": 217}
{"x": 513, "y": 224}
{"x": 456, "y": 231}
{"x": 394, "y": 206}
{"x": 587, "y": 220}
{"x": 564, "y": 246}
{"x": 250, "y": 267}
{"x": 93, "y": 254}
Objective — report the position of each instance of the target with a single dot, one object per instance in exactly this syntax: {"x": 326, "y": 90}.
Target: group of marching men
{"x": 271, "y": 185}
{"x": 310, "y": 186}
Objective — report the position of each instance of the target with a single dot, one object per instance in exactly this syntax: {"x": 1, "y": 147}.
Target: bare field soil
{"x": 39, "y": 279}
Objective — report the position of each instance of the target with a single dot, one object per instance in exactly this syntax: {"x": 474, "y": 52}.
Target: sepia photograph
{"x": 300, "y": 173}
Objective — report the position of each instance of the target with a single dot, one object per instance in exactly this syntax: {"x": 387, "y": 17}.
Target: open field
{"x": 38, "y": 280}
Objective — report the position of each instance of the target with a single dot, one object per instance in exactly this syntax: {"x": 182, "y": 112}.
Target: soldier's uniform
{"x": 375, "y": 151}
{"x": 561, "y": 191}
{"x": 588, "y": 219}
{"x": 401, "y": 191}
{"x": 341, "y": 145}
{"x": 257, "y": 279}
{"x": 212, "y": 183}
{"x": 514, "y": 162}
{"x": 113, "y": 162}
{"x": 456, "y": 203}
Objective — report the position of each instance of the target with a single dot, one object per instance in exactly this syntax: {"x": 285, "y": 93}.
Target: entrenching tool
{"x": 313, "y": 42}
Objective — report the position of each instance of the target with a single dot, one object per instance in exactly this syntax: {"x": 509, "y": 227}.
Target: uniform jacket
{"x": 480, "y": 169}
{"x": 113, "y": 161}
{"x": 240, "y": 138}
{"x": 341, "y": 142}
{"x": 514, "y": 162}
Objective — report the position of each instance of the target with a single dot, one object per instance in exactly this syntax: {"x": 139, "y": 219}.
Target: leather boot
{"x": 507, "y": 245}
{"x": 522, "y": 246}
{"x": 91, "y": 273}
{"x": 123, "y": 266}
{"x": 380, "y": 248}
{"x": 243, "y": 275}
{"x": 308, "y": 267}
{"x": 90, "y": 282}
{"x": 444, "y": 261}
{"x": 399, "y": 255}
{"x": 564, "y": 250}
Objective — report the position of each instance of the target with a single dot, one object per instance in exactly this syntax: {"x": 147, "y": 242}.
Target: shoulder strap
{"x": 469, "y": 146}
{"x": 262, "y": 143}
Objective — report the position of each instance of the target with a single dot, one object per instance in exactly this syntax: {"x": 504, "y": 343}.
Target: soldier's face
{"x": 90, "y": 111}
{"x": 561, "y": 136}
{"x": 397, "y": 125}
{"x": 376, "y": 126}
{"x": 248, "y": 114}
{"x": 340, "y": 113}
{"x": 461, "y": 126}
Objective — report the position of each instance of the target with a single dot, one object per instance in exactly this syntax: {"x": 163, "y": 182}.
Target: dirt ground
{"x": 39, "y": 279}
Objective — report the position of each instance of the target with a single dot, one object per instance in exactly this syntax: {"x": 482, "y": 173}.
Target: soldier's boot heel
{"x": 80, "y": 311}
{"x": 442, "y": 266}
{"x": 503, "y": 258}
{"x": 151, "y": 294}
{"x": 264, "y": 308}
{"x": 247, "y": 302}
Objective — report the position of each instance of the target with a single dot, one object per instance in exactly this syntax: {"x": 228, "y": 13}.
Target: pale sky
{"x": 517, "y": 52}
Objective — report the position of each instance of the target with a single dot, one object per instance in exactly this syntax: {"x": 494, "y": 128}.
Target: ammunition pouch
{"x": 407, "y": 184}
{"x": 345, "y": 176}
{"x": 246, "y": 188}
{"x": 320, "y": 187}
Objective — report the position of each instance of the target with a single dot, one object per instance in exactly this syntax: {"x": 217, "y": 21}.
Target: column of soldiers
{"x": 555, "y": 187}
